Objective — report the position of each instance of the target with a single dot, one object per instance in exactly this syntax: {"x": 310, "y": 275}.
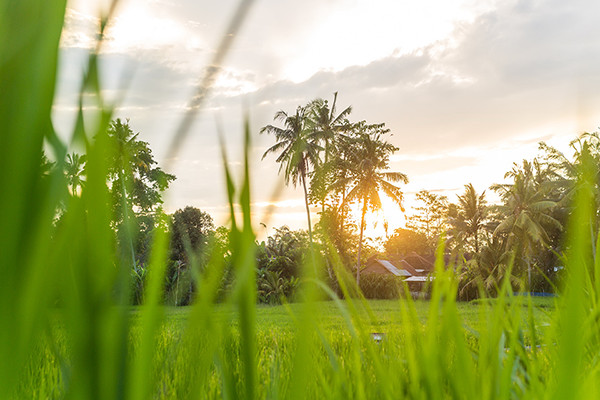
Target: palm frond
{"x": 505, "y": 226}
{"x": 280, "y": 116}
{"x": 541, "y": 206}
{"x": 395, "y": 176}
{"x": 394, "y": 193}
{"x": 276, "y": 147}
{"x": 373, "y": 198}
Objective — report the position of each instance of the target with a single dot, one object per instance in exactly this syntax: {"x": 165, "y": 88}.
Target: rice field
{"x": 332, "y": 349}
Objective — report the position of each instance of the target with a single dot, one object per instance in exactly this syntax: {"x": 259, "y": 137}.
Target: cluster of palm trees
{"x": 524, "y": 233}
{"x": 337, "y": 162}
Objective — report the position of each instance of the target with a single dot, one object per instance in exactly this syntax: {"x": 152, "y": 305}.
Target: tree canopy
{"x": 134, "y": 177}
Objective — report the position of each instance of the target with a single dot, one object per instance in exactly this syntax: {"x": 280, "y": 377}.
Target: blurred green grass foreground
{"x": 68, "y": 328}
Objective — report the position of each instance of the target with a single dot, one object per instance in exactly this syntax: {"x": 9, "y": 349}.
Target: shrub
{"x": 379, "y": 286}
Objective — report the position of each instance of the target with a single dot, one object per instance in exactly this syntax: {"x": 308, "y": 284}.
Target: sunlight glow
{"x": 341, "y": 39}
{"x": 133, "y": 29}
{"x": 375, "y": 220}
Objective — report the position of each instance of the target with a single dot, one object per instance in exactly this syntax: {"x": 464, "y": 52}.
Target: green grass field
{"x": 333, "y": 350}
{"x": 385, "y": 316}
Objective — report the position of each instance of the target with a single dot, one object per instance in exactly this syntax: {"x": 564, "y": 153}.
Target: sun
{"x": 381, "y": 223}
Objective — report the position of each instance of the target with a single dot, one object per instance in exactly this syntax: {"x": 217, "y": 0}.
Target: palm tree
{"x": 487, "y": 270}
{"x": 563, "y": 172}
{"x": 74, "y": 170}
{"x": 298, "y": 150}
{"x": 46, "y": 165}
{"x": 135, "y": 178}
{"x": 329, "y": 128}
{"x": 339, "y": 173}
{"x": 468, "y": 217}
{"x": 326, "y": 124}
{"x": 372, "y": 158}
{"x": 528, "y": 215}
{"x": 135, "y": 182}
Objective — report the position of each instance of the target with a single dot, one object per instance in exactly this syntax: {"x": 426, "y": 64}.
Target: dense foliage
{"x": 406, "y": 241}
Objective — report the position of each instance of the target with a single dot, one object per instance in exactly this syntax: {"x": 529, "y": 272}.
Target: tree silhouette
{"x": 329, "y": 129}
{"x": 74, "y": 171}
{"x": 468, "y": 216}
{"x": 371, "y": 155}
{"x": 298, "y": 150}
{"x": 134, "y": 178}
{"x": 527, "y": 214}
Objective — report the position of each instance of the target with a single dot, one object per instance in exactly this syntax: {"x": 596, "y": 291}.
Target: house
{"x": 422, "y": 264}
{"x": 405, "y": 265}
{"x": 415, "y": 278}
{"x": 384, "y": 267}
{"x": 420, "y": 279}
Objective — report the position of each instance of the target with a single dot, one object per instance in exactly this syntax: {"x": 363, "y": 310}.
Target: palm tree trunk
{"x": 342, "y": 214}
{"x": 310, "y": 236}
{"x": 362, "y": 228}
{"x": 127, "y": 219}
{"x": 326, "y": 166}
{"x": 526, "y": 255}
{"x": 342, "y": 211}
{"x": 307, "y": 208}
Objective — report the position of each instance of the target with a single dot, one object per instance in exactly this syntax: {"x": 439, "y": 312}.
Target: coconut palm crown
{"x": 298, "y": 149}
{"x": 371, "y": 158}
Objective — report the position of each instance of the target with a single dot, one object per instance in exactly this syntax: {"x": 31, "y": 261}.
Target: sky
{"x": 466, "y": 87}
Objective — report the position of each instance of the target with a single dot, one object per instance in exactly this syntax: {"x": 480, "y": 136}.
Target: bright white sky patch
{"x": 138, "y": 28}
{"x": 358, "y": 32}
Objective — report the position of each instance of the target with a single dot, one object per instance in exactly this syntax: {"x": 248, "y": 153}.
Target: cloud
{"x": 520, "y": 72}
{"x": 79, "y": 30}
{"x": 519, "y": 68}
